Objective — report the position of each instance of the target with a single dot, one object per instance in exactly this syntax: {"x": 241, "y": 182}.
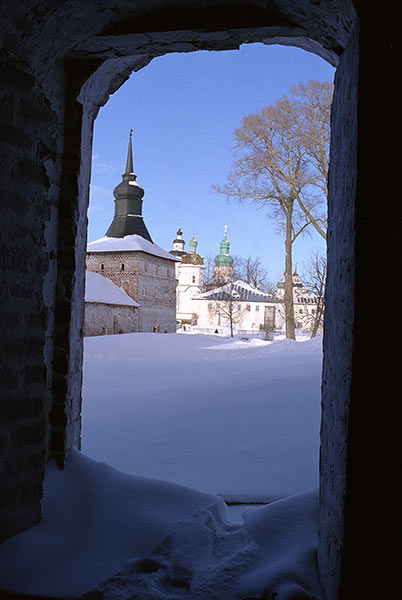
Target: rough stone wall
{"x": 30, "y": 158}
{"x": 107, "y": 319}
{"x": 110, "y": 264}
{"x": 360, "y": 496}
{"x": 338, "y": 330}
{"x": 147, "y": 279}
{"x": 157, "y": 294}
{"x": 58, "y": 63}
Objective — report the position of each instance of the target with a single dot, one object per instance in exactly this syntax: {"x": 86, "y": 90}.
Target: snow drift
{"x": 158, "y": 541}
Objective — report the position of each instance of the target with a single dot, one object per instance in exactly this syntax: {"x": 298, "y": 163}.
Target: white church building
{"x": 249, "y": 309}
{"x": 190, "y": 272}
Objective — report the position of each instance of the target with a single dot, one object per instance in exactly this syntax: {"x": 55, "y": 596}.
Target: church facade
{"x": 239, "y": 304}
{"x": 212, "y": 307}
{"x": 190, "y": 273}
{"x": 128, "y": 256}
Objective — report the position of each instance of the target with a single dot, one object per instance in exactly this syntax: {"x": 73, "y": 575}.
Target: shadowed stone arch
{"x": 59, "y": 63}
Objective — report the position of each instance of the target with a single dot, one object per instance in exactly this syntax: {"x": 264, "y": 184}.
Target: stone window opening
{"x": 334, "y": 559}
{"x": 149, "y": 267}
{"x": 153, "y": 268}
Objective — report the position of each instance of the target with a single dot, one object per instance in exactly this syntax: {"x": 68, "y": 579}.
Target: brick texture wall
{"x": 29, "y": 158}
{"x": 107, "y": 319}
{"x": 149, "y": 280}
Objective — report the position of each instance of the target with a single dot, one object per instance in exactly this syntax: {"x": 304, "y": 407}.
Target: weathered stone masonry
{"x": 147, "y": 279}
{"x": 106, "y": 319}
{"x": 110, "y": 264}
{"x": 59, "y": 61}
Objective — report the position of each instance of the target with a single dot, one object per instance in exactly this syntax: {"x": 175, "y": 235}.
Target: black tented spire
{"x": 128, "y": 195}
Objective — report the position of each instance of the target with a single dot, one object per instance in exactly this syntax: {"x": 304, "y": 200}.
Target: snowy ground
{"x": 233, "y": 417}
{"x": 226, "y": 416}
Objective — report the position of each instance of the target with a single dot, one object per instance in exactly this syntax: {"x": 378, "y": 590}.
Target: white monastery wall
{"x": 209, "y": 314}
{"x": 106, "y": 319}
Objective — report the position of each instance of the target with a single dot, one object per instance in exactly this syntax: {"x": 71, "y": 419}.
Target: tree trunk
{"x": 288, "y": 297}
{"x": 318, "y": 316}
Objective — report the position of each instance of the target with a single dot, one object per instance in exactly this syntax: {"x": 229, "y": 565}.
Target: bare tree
{"x": 252, "y": 271}
{"x": 314, "y": 279}
{"x": 280, "y": 164}
{"x": 230, "y": 305}
{"x": 209, "y": 273}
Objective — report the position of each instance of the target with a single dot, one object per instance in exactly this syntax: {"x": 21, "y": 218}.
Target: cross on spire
{"x": 129, "y": 162}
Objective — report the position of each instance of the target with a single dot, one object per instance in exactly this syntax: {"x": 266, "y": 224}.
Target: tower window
{"x": 193, "y": 279}
{"x": 102, "y": 267}
{"x": 122, "y": 267}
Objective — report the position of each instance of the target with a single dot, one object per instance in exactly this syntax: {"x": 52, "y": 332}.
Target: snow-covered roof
{"x": 128, "y": 243}
{"x": 240, "y": 290}
{"x": 104, "y": 291}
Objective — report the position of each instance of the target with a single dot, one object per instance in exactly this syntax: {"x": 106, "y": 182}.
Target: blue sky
{"x": 184, "y": 109}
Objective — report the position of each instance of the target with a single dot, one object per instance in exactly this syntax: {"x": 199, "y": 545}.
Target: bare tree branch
{"x": 280, "y": 164}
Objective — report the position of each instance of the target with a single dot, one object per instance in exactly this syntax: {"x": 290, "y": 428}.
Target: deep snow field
{"x": 236, "y": 418}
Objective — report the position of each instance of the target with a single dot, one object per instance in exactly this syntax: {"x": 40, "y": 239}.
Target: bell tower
{"x": 128, "y": 219}
{"x": 223, "y": 270}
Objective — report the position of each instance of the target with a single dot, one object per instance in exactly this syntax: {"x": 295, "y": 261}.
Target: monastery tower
{"x": 190, "y": 276}
{"x": 128, "y": 256}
